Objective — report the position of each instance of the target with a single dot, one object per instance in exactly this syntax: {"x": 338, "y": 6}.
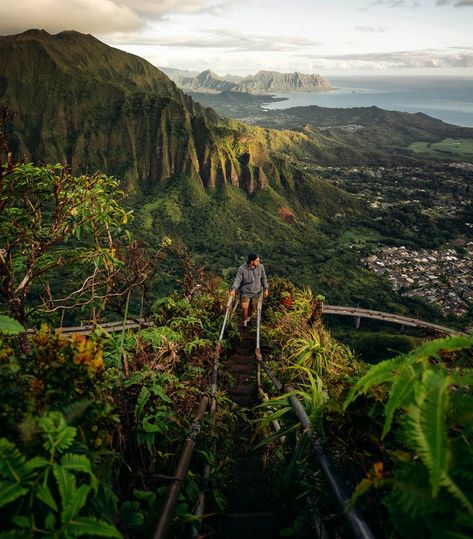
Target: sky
{"x": 331, "y": 37}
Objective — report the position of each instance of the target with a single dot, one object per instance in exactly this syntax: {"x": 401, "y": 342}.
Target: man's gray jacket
{"x": 250, "y": 281}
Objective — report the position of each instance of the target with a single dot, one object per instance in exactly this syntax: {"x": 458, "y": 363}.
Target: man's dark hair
{"x": 252, "y": 256}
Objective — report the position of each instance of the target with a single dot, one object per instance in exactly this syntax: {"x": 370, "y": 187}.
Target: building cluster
{"x": 443, "y": 277}
{"x": 439, "y": 192}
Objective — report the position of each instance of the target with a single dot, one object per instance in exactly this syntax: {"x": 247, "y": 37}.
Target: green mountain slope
{"x": 219, "y": 186}
{"x": 352, "y": 136}
{"x": 84, "y": 103}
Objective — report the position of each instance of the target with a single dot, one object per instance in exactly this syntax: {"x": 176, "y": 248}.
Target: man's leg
{"x": 245, "y": 306}
{"x": 251, "y": 307}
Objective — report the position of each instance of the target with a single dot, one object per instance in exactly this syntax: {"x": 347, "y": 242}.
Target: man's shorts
{"x": 246, "y": 298}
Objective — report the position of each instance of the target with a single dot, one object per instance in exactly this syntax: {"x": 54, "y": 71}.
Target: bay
{"x": 448, "y": 99}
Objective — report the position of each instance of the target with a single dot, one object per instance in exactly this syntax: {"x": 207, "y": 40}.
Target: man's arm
{"x": 264, "y": 281}
{"x": 237, "y": 282}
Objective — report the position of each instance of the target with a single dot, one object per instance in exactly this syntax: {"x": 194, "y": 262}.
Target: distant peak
{"x": 208, "y": 74}
{"x": 34, "y": 32}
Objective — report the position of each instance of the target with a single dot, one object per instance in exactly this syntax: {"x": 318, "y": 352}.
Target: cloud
{"x": 160, "y": 9}
{"x": 96, "y": 16}
{"x": 410, "y": 4}
{"x": 371, "y": 29}
{"x": 89, "y": 16}
{"x": 222, "y": 39}
{"x": 456, "y": 3}
{"x": 426, "y": 58}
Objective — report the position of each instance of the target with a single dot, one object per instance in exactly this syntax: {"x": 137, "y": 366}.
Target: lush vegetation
{"x": 91, "y": 427}
{"x": 402, "y": 426}
{"x": 449, "y": 147}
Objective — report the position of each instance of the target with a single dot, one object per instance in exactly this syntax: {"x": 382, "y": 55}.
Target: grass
{"x": 448, "y": 147}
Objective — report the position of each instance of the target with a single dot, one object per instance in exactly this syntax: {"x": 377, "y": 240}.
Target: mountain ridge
{"x": 262, "y": 82}
{"x": 91, "y": 106}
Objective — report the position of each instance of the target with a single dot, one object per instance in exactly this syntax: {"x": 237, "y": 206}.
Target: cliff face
{"x": 206, "y": 80}
{"x": 81, "y": 102}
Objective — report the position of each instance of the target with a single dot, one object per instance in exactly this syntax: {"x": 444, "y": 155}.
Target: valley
{"x": 416, "y": 195}
{"x": 222, "y": 181}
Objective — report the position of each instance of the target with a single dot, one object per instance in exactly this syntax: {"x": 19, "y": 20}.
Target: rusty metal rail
{"x": 388, "y": 317}
{"x": 182, "y": 467}
{"x": 110, "y": 327}
{"x": 341, "y": 310}
{"x": 355, "y": 520}
{"x": 180, "y": 472}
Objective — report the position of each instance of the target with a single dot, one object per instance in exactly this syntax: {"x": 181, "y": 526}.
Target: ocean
{"x": 448, "y": 99}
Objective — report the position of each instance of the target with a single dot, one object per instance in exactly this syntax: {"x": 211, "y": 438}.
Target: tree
{"x": 51, "y": 220}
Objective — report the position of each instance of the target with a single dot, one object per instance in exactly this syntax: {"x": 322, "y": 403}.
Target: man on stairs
{"x": 250, "y": 280}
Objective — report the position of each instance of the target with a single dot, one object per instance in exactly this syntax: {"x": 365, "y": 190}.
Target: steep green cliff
{"x": 89, "y": 105}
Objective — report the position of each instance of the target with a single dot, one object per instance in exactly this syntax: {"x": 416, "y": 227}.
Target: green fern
{"x": 142, "y": 400}
{"x": 17, "y": 472}
{"x": 9, "y": 492}
{"x": 12, "y": 534}
{"x": 91, "y": 527}
{"x": 429, "y": 425}
{"x": 401, "y": 394}
{"x": 436, "y": 427}
{"x": 49, "y": 488}
{"x": 73, "y": 505}
{"x": 59, "y": 436}
{"x": 378, "y": 374}
{"x": 66, "y": 482}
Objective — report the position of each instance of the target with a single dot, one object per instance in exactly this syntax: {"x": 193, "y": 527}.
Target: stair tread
{"x": 243, "y": 389}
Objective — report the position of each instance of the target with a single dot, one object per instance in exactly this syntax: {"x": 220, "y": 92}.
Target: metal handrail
{"x": 353, "y": 516}
{"x": 186, "y": 454}
{"x": 200, "y": 507}
{"x": 225, "y": 320}
{"x": 181, "y": 472}
{"x": 259, "y": 308}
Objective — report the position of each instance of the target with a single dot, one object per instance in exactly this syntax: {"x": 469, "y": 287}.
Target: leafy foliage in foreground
{"x": 430, "y": 404}
{"x": 402, "y": 426}
{"x": 90, "y": 427}
{"x": 43, "y": 210}
{"x": 33, "y": 483}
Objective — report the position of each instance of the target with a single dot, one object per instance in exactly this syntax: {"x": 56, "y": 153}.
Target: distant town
{"x": 415, "y": 201}
{"x": 439, "y": 191}
{"x": 442, "y": 277}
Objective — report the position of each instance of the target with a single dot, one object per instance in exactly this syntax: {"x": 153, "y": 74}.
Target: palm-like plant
{"x": 315, "y": 349}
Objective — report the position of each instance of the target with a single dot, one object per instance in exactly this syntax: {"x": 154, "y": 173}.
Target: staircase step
{"x": 246, "y": 401}
{"x": 253, "y": 499}
{"x": 250, "y": 526}
{"x": 243, "y": 358}
{"x": 243, "y": 389}
{"x": 244, "y": 378}
{"x": 242, "y": 368}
